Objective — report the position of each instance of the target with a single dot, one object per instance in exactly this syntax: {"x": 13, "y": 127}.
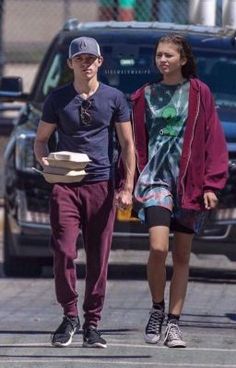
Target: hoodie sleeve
{"x": 140, "y": 133}
{"x": 216, "y": 154}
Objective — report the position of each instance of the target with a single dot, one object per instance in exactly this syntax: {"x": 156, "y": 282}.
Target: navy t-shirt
{"x": 107, "y": 106}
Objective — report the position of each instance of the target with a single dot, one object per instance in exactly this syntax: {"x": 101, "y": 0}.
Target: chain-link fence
{"x": 29, "y": 25}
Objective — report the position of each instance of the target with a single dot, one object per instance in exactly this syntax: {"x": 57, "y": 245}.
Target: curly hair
{"x": 185, "y": 50}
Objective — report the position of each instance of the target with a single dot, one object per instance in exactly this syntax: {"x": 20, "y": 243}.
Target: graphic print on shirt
{"x": 170, "y": 115}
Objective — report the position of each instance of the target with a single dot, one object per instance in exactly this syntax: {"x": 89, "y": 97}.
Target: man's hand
{"x": 210, "y": 200}
{"x": 44, "y": 161}
{"x": 123, "y": 199}
{"x": 44, "y": 132}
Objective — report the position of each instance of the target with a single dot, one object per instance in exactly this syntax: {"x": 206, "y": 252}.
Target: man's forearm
{"x": 128, "y": 158}
{"x": 40, "y": 151}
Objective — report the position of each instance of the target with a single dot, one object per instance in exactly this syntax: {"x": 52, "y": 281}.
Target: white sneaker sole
{"x": 95, "y": 345}
{"x": 152, "y": 340}
{"x": 58, "y": 344}
{"x": 175, "y": 344}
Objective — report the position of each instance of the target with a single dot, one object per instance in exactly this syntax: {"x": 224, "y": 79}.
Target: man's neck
{"x": 86, "y": 89}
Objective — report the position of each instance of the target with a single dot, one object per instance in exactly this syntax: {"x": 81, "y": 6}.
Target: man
{"x": 85, "y": 114}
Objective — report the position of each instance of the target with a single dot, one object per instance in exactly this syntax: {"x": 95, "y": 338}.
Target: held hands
{"x": 123, "y": 199}
{"x": 210, "y": 200}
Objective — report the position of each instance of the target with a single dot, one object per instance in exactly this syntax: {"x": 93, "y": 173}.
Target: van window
{"x": 128, "y": 69}
{"x": 57, "y": 75}
{"x": 219, "y": 73}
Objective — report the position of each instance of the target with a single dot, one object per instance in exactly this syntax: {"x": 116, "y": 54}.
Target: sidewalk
{"x": 208, "y": 323}
{"x": 126, "y": 263}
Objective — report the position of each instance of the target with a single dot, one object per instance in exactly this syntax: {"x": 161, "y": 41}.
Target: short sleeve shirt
{"x": 107, "y": 106}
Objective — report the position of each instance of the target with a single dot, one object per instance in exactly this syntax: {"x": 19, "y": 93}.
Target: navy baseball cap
{"x": 84, "y": 45}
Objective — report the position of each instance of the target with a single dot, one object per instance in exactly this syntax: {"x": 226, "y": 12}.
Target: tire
{"x": 17, "y": 266}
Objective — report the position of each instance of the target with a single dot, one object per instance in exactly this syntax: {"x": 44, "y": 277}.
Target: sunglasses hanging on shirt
{"x": 85, "y": 114}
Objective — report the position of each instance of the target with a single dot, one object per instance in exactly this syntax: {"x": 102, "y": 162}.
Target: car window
{"x": 219, "y": 73}
{"x": 129, "y": 68}
{"x": 124, "y": 70}
{"x": 57, "y": 75}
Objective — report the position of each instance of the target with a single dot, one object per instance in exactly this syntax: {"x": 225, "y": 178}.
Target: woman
{"x": 182, "y": 163}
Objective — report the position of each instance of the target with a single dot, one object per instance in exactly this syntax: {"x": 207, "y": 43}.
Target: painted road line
{"x": 1, "y": 219}
{"x": 142, "y": 346}
{"x": 115, "y": 362}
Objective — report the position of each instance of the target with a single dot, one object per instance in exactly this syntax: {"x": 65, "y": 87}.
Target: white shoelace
{"x": 173, "y": 332}
{"x": 155, "y": 321}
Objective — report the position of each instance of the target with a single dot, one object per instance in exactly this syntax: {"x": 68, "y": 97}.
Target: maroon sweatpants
{"x": 89, "y": 207}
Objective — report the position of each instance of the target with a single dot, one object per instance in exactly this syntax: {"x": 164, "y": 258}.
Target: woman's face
{"x": 168, "y": 59}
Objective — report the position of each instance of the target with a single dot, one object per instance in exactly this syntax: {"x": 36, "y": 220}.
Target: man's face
{"x": 85, "y": 65}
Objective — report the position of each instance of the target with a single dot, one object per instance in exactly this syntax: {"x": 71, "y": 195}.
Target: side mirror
{"x": 11, "y": 87}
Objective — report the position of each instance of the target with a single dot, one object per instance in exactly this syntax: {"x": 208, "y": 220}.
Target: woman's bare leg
{"x": 181, "y": 256}
{"x": 156, "y": 267}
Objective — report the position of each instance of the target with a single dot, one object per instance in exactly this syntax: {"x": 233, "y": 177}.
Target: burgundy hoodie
{"x": 204, "y": 159}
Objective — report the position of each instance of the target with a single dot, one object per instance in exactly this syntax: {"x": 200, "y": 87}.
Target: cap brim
{"x": 84, "y": 53}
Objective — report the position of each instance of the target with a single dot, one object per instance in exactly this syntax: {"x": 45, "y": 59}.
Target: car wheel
{"x": 17, "y": 266}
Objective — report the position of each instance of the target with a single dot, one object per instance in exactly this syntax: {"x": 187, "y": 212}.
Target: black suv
{"x": 128, "y": 63}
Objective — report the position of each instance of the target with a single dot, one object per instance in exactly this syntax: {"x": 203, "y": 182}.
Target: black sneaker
{"x": 64, "y": 333}
{"x": 173, "y": 336}
{"x": 153, "y": 329}
{"x": 93, "y": 339}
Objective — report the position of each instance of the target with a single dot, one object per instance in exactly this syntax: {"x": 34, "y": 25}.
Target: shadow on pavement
{"x": 138, "y": 272}
{"x": 107, "y": 332}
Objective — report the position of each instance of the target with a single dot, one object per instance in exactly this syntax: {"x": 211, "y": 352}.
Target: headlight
{"x": 27, "y": 214}
{"x": 24, "y": 158}
{"x": 232, "y": 164}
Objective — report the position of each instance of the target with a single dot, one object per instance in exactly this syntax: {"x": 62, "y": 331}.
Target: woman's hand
{"x": 210, "y": 200}
{"x": 123, "y": 199}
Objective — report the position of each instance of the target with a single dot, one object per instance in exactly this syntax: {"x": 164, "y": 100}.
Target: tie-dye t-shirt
{"x": 166, "y": 114}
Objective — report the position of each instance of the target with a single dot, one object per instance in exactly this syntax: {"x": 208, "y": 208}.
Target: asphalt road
{"x": 29, "y": 313}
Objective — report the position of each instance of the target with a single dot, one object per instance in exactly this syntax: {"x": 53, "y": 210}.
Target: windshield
{"x": 219, "y": 73}
{"x": 123, "y": 70}
{"x": 128, "y": 70}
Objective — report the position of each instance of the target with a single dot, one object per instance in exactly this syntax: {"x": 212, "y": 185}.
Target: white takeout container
{"x": 66, "y": 159}
{"x": 73, "y": 176}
